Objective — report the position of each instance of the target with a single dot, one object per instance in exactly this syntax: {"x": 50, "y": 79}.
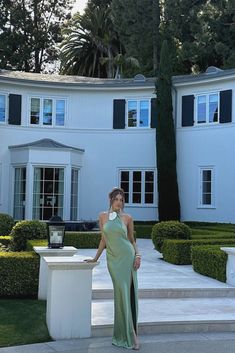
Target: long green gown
{"x": 120, "y": 259}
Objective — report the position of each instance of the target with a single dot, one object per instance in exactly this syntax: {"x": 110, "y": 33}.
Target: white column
{"x": 230, "y": 267}
{"x": 45, "y": 251}
{"x": 69, "y": 295}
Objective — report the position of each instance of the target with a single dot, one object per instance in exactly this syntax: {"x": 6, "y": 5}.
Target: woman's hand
{"x": 137, "y": 262}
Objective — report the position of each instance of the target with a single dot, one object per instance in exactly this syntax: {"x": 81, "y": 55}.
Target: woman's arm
{"x": 102, "y": 243}
{"x": 130, "y": 234}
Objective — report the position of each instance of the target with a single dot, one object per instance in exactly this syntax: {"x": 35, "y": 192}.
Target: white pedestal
{"x": 69, "y": 295}
{"x": 230, "y": 267}
{"x": 45, "y": 251}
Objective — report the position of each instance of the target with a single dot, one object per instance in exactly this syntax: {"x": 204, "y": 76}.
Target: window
{"x": 2, "y": 108}
{"x": 48, "y": 193}
{"x": 206, "y": 187}
{"x": 74, "y": 195}
{"x": 138, "y": 113}
{"x": 207, "y": 108}
{"x": 47, "y": 111}
{"x": 19, "y": 193}
{"x": 138, "y": 186}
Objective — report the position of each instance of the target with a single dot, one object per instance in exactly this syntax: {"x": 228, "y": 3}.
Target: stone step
{"x": 171, "y": 315}
{"x": 171, "y": 293}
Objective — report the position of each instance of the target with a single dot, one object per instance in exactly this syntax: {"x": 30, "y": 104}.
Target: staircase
{"x": 172, "y": 299}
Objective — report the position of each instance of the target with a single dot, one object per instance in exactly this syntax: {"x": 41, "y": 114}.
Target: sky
{"x": 79, "y": 5}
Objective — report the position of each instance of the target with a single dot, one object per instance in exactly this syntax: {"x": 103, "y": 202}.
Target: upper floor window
{"x": 47, "y": 111}
{"x": 207, "y": 108}
{"x": 2, "y": 108}
{"x": 138, "y": 186}
{"x": 138, "y": 113}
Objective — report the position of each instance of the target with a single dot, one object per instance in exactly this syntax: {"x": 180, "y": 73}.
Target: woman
{"x": 123, "y": 260}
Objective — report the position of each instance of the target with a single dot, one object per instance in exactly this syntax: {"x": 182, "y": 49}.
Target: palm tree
{"x": 89, "y": 39}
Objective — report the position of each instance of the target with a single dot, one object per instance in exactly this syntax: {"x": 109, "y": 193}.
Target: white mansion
{"x": 65, "y": 141}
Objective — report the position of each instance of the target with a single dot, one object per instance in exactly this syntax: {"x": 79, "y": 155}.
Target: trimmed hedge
{"x": 6, "y": 223}
{"x": 19, "y": 273}
{"x": 80, "y": 240}
{"x": 178, "y": 252}
{"x": 143, "y": 231}
{"x": 210, "y": 261}
{"x": 25, "y": 230}
{"x": 169, "y": 230}
{"x": 5, "y": 240}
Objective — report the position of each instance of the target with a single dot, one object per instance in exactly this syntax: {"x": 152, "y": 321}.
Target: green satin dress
{"x": 120, "y": 259}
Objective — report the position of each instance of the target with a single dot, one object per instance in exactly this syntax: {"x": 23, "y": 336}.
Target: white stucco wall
{"x": 89, "y": 127}
{"x": 210, "y": 145}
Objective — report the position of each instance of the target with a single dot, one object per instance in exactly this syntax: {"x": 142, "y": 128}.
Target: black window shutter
{"x": 14, "y": 109}
{"x": 119, "y": 113}
{"x": 226, "y": 106}
{"x": 188, "y": 110}
{"x": 154, "y": 112}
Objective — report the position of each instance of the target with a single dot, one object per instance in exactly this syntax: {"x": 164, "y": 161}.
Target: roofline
{"x": 182, "y": 80}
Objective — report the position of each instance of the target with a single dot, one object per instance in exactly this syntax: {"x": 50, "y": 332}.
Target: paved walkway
{"x": 169, "y": 283}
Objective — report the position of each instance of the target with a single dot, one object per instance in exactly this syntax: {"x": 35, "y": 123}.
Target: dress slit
{"x": 133, "y": 305}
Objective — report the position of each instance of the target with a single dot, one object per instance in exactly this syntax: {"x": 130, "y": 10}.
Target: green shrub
{"x": 143, "y": 231}
{"x": 80, "y": 240}
{"x": 169, "y": 230}
{"x": 19, "y": 274}
{"x": 210, "y": 261}
{"x": 6, "y": 224}
{"x": 178, "y": 252}
{"x": 5, "y": 240}
{"x": 25, "y": 230}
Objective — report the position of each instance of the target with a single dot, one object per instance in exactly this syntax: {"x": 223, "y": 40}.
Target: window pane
{"x": 19, "y": 193}
{"x": 35, "y": 111}
{"x": 148, "y": 187}
{"x": 137, "y": 187}
{"x": 144, "y": 113}
{"x": 206, "y": 199}
{"x": 136, "y": 176}
{"x": 2, "y": 108}
{"x": 213, "y": 108}
{"x": 125, "y": 176}
{"x": 206, "y": 187}
{"x": 74, "y": 195}
{"x": 60, "y": 112}
{"x": 49, "y": 172}
{"x": 148, "y": 198}
{"x": 47, "y": 112}
{"x": 136, "y": 197}
{"x": 132, "y": 113}
{"x": 201, "y": 109}
{"x": 206, "y": 175}
{"x": 124, "y": 183}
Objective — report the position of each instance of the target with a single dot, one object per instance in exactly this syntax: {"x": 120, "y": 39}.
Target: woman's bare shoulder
{"x": 103, "y": 214}
{"x": 128, "y": 217}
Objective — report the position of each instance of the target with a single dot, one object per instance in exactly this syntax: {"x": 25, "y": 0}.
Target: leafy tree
{"x": 168, "y": 198}
{"x": 91, "y": 46}
{"x": 30, "y": 32}
{"x": 137, "y": 23}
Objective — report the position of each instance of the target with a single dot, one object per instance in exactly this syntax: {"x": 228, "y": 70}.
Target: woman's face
{"x": 117, "y": 203}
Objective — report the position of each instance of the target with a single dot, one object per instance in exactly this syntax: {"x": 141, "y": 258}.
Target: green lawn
{"x": 22, "y": 321}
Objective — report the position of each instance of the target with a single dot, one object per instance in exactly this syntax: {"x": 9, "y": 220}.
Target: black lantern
{"x": 55, "y": 232}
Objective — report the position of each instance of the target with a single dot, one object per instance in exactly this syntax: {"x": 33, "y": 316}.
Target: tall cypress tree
{"x": 168, "y": 197}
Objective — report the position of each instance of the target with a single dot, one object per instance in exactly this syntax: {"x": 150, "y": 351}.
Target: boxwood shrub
{"x": 19, "y": 272}
{"x": 5, "y": 240}
{"x": 80, "y": 240}
{"x": 25, "y": 230}
{"x": 169, "y": 230}
{"x": 178, "y": 252}
{"x": 6, "y": 224}
{"x": 210, "y": 261}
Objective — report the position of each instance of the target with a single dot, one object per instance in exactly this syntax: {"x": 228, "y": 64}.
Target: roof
{"x": 211, "y": 73}
{"x": 65, "y": 80}
{"x": 46, "y": 143}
